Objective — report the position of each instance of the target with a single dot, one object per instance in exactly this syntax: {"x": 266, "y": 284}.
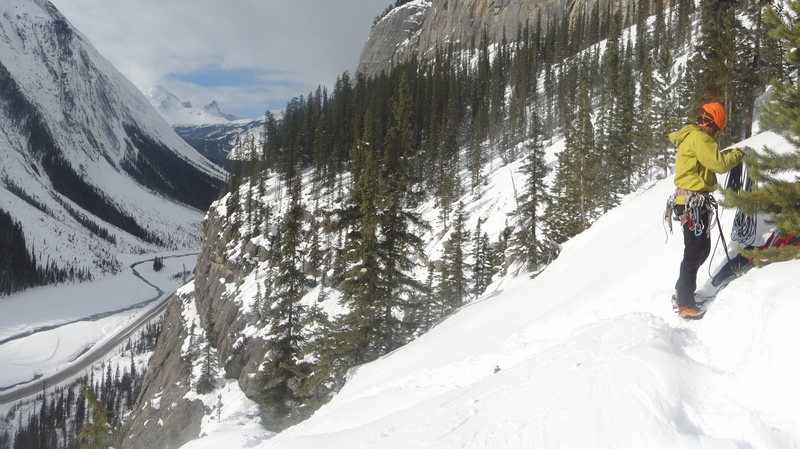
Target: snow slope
{"x": 586, "y": 355}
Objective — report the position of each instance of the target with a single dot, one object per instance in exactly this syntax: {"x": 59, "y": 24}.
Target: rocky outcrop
{"x": 162, "y": 417}
{"x": 394, "y": 38}
{"x": 168, "y": 413}
{"x": 238, "y": 354}
{"x": 417, "y": 27}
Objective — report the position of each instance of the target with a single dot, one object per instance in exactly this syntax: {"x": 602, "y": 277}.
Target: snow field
{"x": 49, "y": 352}
{"x": 58, "y": 304}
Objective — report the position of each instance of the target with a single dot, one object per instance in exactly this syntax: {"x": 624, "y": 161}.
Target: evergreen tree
{"x": 447, "y": 161}
{"x": 356, "y": 338}
{"x": 431, "y": 301}
{"x": 576, "y": 191}
{"x": 717, "y": 52}
{"x": 397, "y": 219}
{"x": 454, "y": 284}
{"x": 531, "y": 203}
{"x": 683, "y": 26}
{"x": 232, "y": 205}
{"x": 643, "y": 43}
{"x": 666, "y": 116}
{"x": 352, "y": 338}
{"x": 315, "y": 252}
{"x": 521, "y": 75}
{"x": 758, "y": 60}
{"x": 624, "y": 126}
{"x": 644, "y": 138}
{"x": 775, "y": 193}
{"x": 612, "y": 133}
{"x": 158, "y": 263}
{"x": 476, "y": 149}
{"x": 482, "y": 267}
{"x": 98, "y": 433}
{"x": 659, "y": 27}
{"x": 284, "y": 370}
{"x": 206, "y": 380}
{"x": 497, "y": 92}
{"x": 497, "y": 252}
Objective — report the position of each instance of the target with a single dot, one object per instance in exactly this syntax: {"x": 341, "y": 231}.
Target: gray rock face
{"x": 162, "y": 417}
{"x": 238, "y": 356}
{"x": 419, "y": 26}
{"x": 394, "y": 38}
{"x": 174, "y": 420}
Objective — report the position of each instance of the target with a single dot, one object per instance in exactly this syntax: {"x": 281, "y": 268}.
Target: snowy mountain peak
{"x": 213, "y": 109}
{"x": 178, "y": 112}
{"x": 161, "y": 98}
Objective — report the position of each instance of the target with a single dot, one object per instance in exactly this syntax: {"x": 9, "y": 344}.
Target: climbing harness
{"x": 697, "y": 203}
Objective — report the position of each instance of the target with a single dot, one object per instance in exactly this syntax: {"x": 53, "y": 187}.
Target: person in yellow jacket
{"x": 697, "y": 162}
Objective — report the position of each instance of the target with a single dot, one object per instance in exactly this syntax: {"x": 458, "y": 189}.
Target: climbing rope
{"x": 744, "y": 226}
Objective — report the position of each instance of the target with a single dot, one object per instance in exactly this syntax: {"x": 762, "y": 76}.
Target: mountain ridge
{"x": 89, "y": 168}
{"x": 416, "y": 28}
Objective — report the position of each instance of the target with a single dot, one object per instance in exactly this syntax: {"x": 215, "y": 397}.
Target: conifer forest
{"x": 373, "y": 149}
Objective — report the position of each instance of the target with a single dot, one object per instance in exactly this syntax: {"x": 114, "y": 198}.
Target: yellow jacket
{"x": 698, "y": 159}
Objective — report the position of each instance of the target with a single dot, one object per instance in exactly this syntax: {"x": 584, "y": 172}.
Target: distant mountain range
{"x": 178, "y": 112}
{"x": 210, "y": 131}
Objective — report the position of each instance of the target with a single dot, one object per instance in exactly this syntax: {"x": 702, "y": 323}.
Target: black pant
{"x": 735, "y": 267}
{"x": 695, "y": 252}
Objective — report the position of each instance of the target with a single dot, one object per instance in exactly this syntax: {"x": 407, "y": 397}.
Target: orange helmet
{"x": 714, "y": 112}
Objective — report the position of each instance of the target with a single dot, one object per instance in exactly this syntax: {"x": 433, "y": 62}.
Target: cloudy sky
{"x": 249, "y": 55}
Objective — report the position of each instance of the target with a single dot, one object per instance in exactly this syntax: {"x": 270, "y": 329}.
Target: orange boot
{"x": 690, "y": 312}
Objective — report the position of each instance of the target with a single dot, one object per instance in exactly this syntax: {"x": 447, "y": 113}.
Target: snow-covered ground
{"x": 586, "y": 355}
{"x": 77, "y": 317}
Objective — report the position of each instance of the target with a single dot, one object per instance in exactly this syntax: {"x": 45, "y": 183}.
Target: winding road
{"x": 13, "y": 393}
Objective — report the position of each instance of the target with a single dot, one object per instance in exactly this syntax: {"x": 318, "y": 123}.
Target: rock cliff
{"x": 417, "y": 27}
{"x": 169, "y": 411}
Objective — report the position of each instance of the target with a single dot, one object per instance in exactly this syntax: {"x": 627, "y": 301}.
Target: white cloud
{"x": 308, "y": 42}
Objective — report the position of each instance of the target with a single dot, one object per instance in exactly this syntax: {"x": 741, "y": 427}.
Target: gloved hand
{"x": 745, "y": 150}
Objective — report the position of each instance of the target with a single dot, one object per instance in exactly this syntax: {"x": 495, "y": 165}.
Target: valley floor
{"x": 45, "y": 330}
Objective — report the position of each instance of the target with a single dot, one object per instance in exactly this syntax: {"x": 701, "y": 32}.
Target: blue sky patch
{"x": 217, "y": 77}
{"x": 258, "y": 112}
{"x": 266, "y": 89}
